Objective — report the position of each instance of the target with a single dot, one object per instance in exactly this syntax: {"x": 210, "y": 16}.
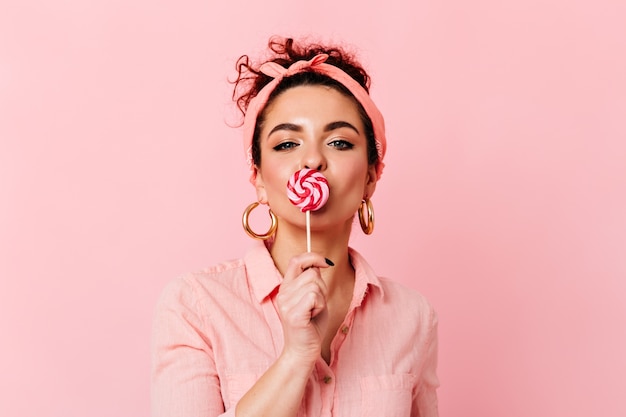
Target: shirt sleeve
{"x": 184, "y": 380}
{"x": 425, "y": 402}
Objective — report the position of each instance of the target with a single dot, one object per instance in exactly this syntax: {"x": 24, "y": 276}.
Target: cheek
{"x": 275, "y": 180}
{"x": 357, "y": 175}
{"x": 351, "y": 186}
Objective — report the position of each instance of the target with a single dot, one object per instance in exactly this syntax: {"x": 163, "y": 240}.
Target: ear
{"x": 261, "y": 195}
{"x": 370, "y": 182}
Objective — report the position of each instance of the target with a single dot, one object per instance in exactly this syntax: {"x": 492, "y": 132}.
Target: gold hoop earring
{"x": 246, "y": 225}
{"x": 367, "y": 227}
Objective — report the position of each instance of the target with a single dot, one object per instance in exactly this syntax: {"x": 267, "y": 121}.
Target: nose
{"x": 314, "y": 159}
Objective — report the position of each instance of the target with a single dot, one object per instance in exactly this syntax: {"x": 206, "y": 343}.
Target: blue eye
{"x": 285, "y": 146}
{"x": 341, "y": 144}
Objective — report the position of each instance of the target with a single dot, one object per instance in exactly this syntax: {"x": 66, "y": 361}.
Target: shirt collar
{"x": 264, "y": 278}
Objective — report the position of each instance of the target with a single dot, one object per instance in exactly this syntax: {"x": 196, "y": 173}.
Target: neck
{"x": 333, "y": 245}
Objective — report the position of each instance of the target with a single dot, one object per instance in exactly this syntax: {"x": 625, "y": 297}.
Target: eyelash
{"x": 339, "y": 144}
{"x": 283, "y": 146}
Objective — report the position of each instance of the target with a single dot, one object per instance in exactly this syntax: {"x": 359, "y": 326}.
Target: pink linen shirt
{"x": 217, "y": 331}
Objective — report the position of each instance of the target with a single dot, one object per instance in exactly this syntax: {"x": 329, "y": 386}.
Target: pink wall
{"x": 503, "y": 201}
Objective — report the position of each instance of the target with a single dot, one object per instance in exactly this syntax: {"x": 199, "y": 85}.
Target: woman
{"x": 282, "y": 331}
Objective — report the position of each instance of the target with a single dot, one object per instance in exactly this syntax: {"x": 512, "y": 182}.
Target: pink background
{"x": 503, "y": 201}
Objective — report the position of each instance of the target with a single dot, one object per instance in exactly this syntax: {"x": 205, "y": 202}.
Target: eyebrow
{"x": 286, "y": 126}
{"x": 292, "y": 127}
{"x": 337, "y": 125}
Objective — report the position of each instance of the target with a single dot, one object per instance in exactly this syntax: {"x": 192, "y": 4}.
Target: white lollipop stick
{"x": 308, "y": 230}
{"x": 308, "y": 189}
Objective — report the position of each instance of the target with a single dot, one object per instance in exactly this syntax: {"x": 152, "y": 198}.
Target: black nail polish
{"x": 329, "y": 262}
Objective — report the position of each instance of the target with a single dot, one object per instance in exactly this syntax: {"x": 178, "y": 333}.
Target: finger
{"x": 319, "y": 305}
{"x": 291, "y": 297}
{"x": 301, "y": 263}
{"x": 306, "y": 278}
{"x": 311, "y": 304}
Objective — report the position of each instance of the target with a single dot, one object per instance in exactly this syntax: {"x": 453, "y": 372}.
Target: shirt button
{"x": 327, "y": 379}
{"x": 345, "y": 329}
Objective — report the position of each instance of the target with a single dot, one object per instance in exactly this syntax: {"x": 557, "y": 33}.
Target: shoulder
{"x": 406, "y": 300}
{"x": 211, "y": 282}
{"x": 413, "y": 318}
{"x": 400, "y": 292}
{"x": 393, "y": 297}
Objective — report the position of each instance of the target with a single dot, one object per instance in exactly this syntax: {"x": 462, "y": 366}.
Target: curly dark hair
{"x": 285, "y": 52}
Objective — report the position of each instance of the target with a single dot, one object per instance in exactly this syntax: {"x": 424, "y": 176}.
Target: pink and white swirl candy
{"x": 308, "y": 189}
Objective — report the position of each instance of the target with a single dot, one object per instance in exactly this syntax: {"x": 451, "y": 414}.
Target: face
{"x": 320, "y": 128}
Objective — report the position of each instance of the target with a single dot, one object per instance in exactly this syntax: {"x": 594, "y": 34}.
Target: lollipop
{"x": 308, "y": 189}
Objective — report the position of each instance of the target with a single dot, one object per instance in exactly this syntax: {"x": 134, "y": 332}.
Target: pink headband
{"x": 316, "y": 64}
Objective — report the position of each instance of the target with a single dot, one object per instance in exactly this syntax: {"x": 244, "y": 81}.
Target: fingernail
{"x": 329, "y": 262}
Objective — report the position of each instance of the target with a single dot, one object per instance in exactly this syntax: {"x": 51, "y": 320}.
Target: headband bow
{"x": 278, "y": 72}
{"x": 316, "y": 64}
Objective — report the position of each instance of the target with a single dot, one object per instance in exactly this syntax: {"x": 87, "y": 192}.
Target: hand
{"x": 302, "y": 306}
